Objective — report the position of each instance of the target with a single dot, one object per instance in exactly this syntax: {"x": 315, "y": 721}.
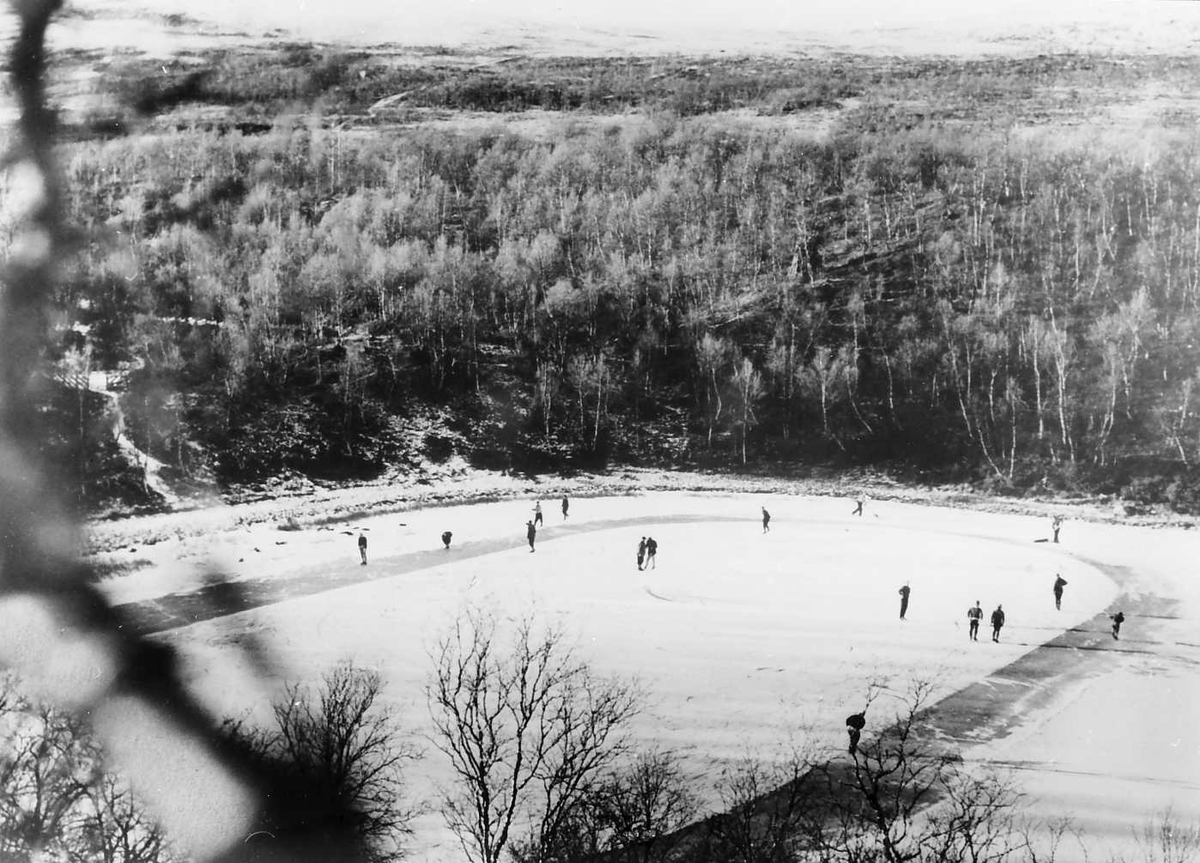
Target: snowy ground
{"x": 744, "y": 640}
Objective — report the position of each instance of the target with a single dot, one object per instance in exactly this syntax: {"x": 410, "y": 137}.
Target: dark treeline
{"x": 1015, "y": 308}
{"x": 260, "y": 83}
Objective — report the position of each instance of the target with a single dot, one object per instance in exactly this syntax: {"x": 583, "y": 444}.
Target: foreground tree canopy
{"x": 680, "y": 281}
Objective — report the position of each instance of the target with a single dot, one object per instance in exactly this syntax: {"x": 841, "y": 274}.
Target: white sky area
{"x": 645, "y": 26}
{"x": 718, "y": 15}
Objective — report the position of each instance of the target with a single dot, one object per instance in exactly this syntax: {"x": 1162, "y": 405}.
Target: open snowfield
{"x": 748, "y": 641}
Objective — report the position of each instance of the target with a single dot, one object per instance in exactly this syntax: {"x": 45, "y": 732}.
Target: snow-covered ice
{"x": 747, "y": 640}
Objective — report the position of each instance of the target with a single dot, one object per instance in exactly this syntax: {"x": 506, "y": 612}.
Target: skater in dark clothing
{"x": 651, "y": 552}
{"x": 1117, "y": 620}
{"x": 641, "y": 553}
{"x": 1056, "y": 525}
{"x": 858, "y": 510}
{"x": 974, "y": 615}
{"x": 362, "y": 548}
{"x": 1059, "y": 584}
{"x": 446, "y": 537}
{"x": 530, "y": 534}
{"x": 855, "y": 723}
{"x": 904, "y": 592}
{"x": 766, "y": 520}
{"x": 566, "y": 506}
{"x": 537, "y": 513}
{"x": 997, "y": 622}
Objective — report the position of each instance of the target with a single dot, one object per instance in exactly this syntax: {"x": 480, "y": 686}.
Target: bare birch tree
{"x": 526, "y": 726}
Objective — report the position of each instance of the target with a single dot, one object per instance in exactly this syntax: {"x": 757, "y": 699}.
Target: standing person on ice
{"x": 904, "y": 592}
{"x": 974, "y": 615}
{"x": 565, "y": 506}
{"x": 446, "y": 537}
{"x": 530, "y": 534}
{"x": 1117, "y": 620}
{"x": 537, "y": 513}
{"x": 997, "y": 622}
{"x": 766, "y": 520}
{"x": 1059, "y": 584}
{"x": 1056, "y": 525}
{"x": 362, "y": 547}
{"x": 641, "y": 553}
{"x": 855, "y": 723}
{"x": 651, "y": 552}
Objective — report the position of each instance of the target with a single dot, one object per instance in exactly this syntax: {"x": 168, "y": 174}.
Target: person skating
{"x": 1117, "y": 620}
{"x": 974, "y": 615}
{"x": 855, "y": 723}
{"x": 859, "y": 501}
{"x": 446, "y": 537}
{"x": 904, "y": 592}
{"x": 1056, "y": 525}
{"x": 566, "y": 505}
{"x": 651, "y": 552}
{"x": 997, "y": 622}
{"x": 362, "y": 547}
{"x": 641, "y": 553}
{"x": 530, "y": 534}
{"x": 766, "y": 520}
{"x": 1059, "y": 584}
{"x": 537, "y": 513}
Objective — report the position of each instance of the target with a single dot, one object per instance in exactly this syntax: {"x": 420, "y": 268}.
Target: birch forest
{"x": 332, "y": 264}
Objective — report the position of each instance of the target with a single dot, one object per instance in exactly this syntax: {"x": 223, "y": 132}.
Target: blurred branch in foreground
{"x": 214, "y": 801}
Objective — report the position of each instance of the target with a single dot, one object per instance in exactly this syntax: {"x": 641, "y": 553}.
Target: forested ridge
{"x": 953, "y": 273}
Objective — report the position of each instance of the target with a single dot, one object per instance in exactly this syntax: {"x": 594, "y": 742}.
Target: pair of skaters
{"x": 537, "y": 511}
{"x": 975, "y": 615}
{"x": 1060, "y": 582}
{"x": 859, "y": 501}
{"x": 647, "y": 553}
{"x": 532, "y": 525}
{"x": 447, "y": 536}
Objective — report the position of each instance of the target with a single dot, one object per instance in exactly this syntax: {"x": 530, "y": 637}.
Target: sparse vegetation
{"x": 941, "y": 281}
{"x": 57, "y": 801}
{"x": 635, "y": 812}
{"x": 339, "y": 742}
{"x": 907, "y": 797}
{"x": 765, "y": 805}
{"x": 529, "y": 730}
{"x": 1166, "y": 840}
